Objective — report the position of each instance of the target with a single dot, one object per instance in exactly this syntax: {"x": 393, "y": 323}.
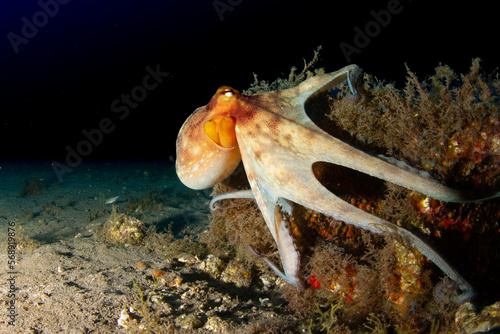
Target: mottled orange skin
{"x": 278, "y": 144}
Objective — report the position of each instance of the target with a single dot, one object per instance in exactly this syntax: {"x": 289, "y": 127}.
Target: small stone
{"x": 212, "y": 265}
{"x": 265, "y": 302}
{"x": 189, "y": 322}
{"x": 128, "y": 318}
{"x": 268, "y": 280}
{"x": 217, "y": 325}
{"x": 237, "y": 274}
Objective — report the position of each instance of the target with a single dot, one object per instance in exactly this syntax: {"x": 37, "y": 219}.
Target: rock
{"x": 237, "y": 274}
{"x": 217, "y": 325}
{"x": 128, "y": 318}
{"x": 123, "y": 230}
{"x": 189, "y": 322}
{"x": 469, "y": 321}
{"x": 212, "y": 265}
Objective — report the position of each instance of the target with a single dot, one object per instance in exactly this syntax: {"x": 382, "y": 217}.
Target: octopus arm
{"x": 333, "y": 206}
{"x": 230, "y": 195}
{"x": 289, "y": 255}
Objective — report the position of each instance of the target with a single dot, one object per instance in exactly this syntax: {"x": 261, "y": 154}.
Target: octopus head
{"x": 207, "y": 149}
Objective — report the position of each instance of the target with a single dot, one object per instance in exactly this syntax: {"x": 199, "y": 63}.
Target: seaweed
{"x": 293, "y": 79}
{"x": 143, "y": 319}
{"x": 153, "y": 201}
{"x": 447, "y": 125}
{"x": 31, "y": 187}
{"x": 234, "y": 228}
{"x": 272, "y": 326}
{"x": 95, "y": 213}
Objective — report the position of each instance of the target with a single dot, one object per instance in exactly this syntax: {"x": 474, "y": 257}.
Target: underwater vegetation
{"x": 152, "y": 201}
{"x": 122, "y": 230}
{"x": 294, "y": 78}
{"x": 447, "y": 125}
{"x": 125, "y": 230}
{"x": 31, "y": 187}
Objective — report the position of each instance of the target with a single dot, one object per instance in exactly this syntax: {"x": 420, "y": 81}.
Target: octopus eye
{"x": 228, "y": 92}
{"x": 222, "y": 131}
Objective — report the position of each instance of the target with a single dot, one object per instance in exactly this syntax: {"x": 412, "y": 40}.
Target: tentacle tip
{"x": 255, "y": 251}
{"x": 465, "y": 296}
{"x": 213, "y": 205}
{"x": 454, "y": 291}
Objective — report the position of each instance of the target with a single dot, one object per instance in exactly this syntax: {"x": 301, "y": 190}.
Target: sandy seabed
{"x": 66, "y": 280}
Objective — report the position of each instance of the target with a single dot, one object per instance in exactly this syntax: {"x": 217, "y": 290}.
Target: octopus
{"x": 278, "y": 143}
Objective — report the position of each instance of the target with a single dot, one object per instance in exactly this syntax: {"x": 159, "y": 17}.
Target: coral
{"x": 126, "y": 230}
{"x": 212, "y": 265}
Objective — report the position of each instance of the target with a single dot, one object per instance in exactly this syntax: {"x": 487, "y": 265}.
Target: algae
{"x": 447, "y": 125}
